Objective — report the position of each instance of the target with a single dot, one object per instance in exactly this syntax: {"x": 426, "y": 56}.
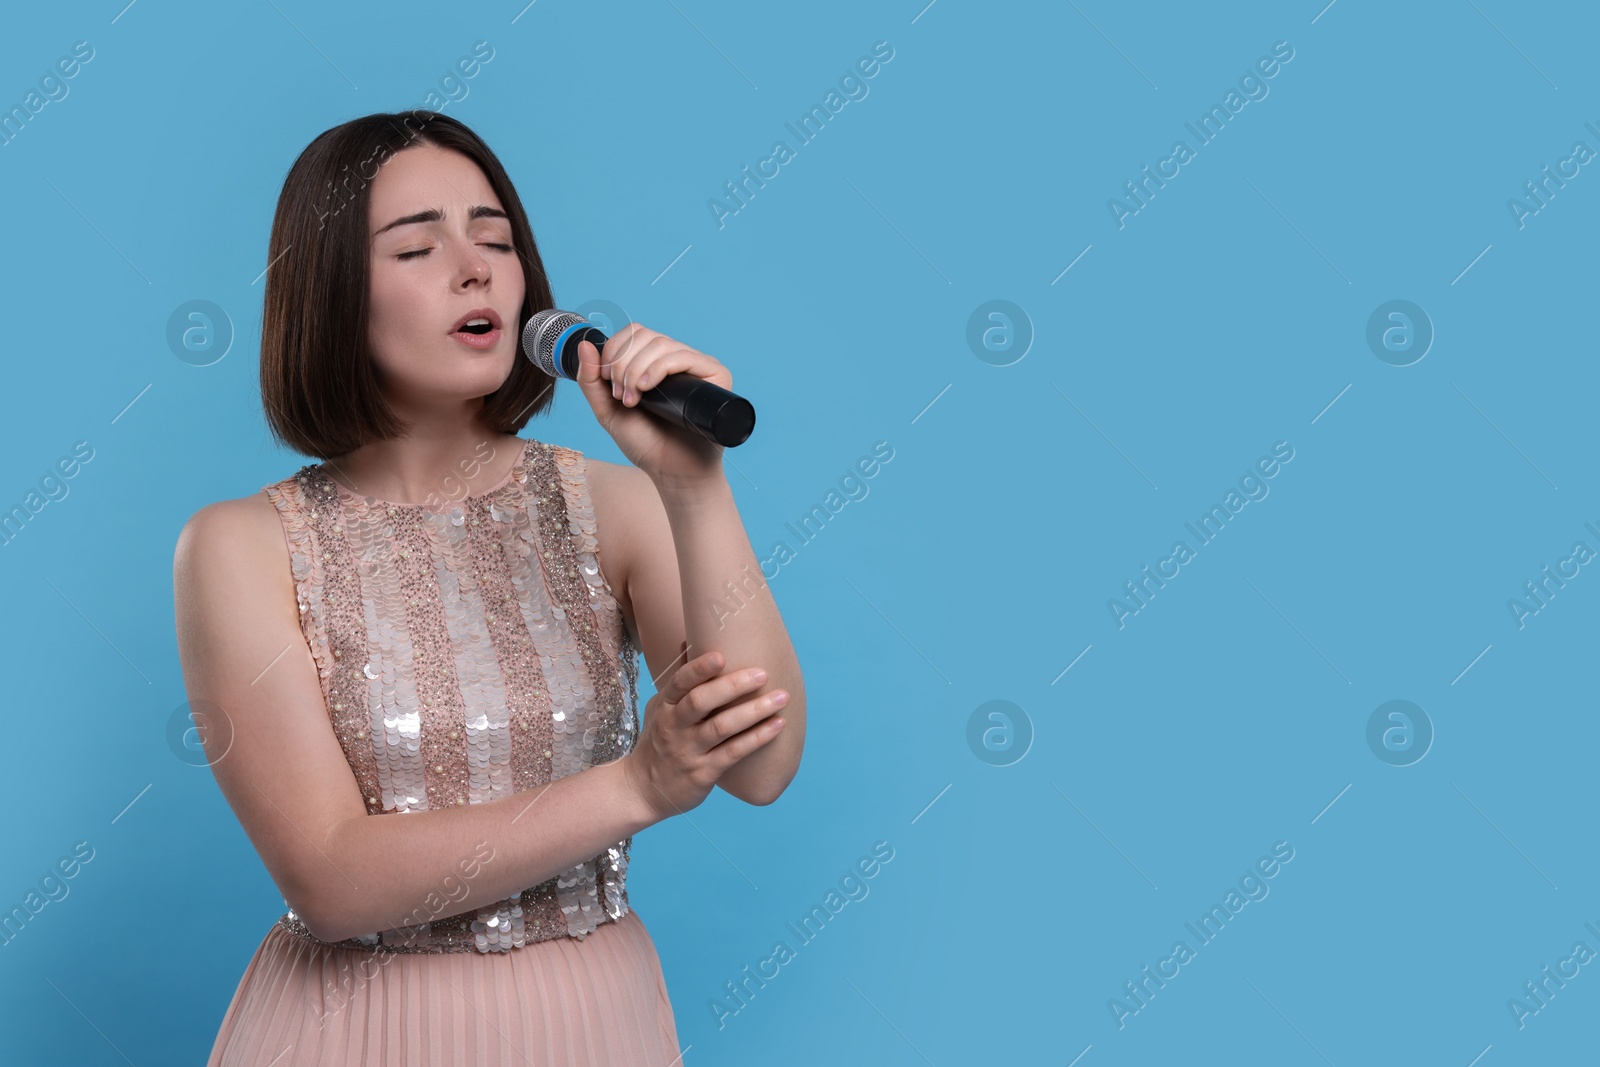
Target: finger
{"x": 621, "y": 347}
{"x": 633, "y": 383}
{"x": 614, "y": 346}
{"x": 737, "y": 718}
{"x": 626, "y": 370}
{"x": 690, "y": 675}
{"x": 594, "y": 390}
{"x": 722, "y": 690}
{"x": 741, "y": 745}
{"x": 588, "y": 362}
{"x": 631, "y": 337}
{"x": 647, "y": 374}
{"x": 695, "y": 671}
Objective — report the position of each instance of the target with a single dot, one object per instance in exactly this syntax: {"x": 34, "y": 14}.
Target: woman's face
{"x": 428, "y": 276}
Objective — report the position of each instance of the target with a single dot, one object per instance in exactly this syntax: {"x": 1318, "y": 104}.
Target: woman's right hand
{"x": 695, "y": 728}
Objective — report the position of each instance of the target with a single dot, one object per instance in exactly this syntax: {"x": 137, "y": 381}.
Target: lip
{"x": 479, "y": 313}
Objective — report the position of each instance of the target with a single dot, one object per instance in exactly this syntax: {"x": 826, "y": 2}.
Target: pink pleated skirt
{"x": 597, "y": 1001}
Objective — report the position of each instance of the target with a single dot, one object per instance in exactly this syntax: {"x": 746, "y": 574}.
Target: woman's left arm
{"x": 691, "y": 576}
{"x": 686, "y": 571}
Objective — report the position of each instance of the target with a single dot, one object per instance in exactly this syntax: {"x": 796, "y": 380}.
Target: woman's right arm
{"x": 278, "y": 763}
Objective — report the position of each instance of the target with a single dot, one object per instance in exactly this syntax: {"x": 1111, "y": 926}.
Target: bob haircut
{"x": 319, "y": 387}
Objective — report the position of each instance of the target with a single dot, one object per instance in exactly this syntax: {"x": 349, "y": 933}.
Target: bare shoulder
{"x": 242, "y": 527}
{"x": 238, "y": 542}
{"x": 625, "y": 499}
{"x": 622, "y": 485}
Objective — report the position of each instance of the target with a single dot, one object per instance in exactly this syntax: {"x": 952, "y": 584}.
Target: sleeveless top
{"x": 466, "y": 653}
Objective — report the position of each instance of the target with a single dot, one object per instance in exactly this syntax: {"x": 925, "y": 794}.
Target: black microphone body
{"x": 551, "y": 340}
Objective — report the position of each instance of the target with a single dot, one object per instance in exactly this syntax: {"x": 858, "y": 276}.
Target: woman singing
{"x": 415, "y": 663}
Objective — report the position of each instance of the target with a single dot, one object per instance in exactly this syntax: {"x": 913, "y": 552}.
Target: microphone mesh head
{"x": 539, "y": 337}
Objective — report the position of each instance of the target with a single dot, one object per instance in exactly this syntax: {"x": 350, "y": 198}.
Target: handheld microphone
{"x": 551, "y": 340}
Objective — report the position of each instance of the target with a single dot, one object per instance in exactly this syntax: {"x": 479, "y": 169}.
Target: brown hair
{"x": 319, "y": 387}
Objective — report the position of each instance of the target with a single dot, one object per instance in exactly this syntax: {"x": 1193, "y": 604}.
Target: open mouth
{"x": 479, "y": 322}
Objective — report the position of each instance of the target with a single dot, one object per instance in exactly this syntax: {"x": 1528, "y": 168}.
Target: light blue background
{"x": 1227, "y": 315}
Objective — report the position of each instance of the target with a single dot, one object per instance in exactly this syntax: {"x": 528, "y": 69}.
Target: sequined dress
{"x": 466, "y": 652}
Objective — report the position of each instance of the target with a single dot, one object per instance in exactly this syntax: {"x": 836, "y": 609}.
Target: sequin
{"x": 454, "y": 703}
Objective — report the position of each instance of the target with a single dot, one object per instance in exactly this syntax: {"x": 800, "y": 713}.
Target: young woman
{"x": 417, "y": 659}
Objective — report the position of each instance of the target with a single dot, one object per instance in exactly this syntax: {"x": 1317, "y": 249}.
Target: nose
{"x": 475, "y": 265}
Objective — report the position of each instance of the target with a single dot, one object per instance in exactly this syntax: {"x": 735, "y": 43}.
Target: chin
{"x": 483, "y": 365}
{"x": 493, "y": 375}
{"x": 462, "y": 383}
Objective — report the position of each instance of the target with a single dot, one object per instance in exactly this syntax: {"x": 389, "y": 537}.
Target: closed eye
{"x": 425, "y": 251}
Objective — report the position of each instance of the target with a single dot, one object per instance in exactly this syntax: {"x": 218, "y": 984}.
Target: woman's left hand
{"x": 635, "y": 360}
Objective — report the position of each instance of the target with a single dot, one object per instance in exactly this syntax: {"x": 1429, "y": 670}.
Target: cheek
{"x": 398, "y": 315}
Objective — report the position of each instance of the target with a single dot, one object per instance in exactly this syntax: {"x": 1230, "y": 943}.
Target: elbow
{"x": 318, "y": 927}
{"x": 324, "y": 923}
{"x": 767, "y": 791}
{"x": 319, "y": 906}
{"x": 323, "y": 897}
{"x": 759, "y": 796}
{"x": 763, "y": 794}
{"x": 762, "y": 784}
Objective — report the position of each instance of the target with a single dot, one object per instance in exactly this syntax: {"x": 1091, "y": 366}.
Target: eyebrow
{"x": 433, "y": 214}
